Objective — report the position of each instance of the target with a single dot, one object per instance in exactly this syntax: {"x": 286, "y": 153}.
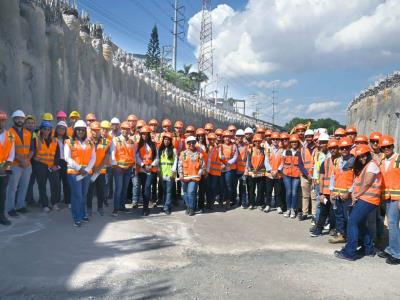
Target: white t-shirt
{"x": 373, "y": 168}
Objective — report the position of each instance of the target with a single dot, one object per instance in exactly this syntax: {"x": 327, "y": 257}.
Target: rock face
{"x": 51, "y": 60}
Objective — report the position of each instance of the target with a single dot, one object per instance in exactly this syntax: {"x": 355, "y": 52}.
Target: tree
{"x": 153, "y": 50}
{"x": 327, "y": 123}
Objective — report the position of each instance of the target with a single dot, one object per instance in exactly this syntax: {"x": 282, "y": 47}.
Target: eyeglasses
{"x": 80, "y": 129}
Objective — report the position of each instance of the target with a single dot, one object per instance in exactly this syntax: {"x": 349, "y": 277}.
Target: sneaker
{"x": 167, "y": 211}
{"x": 13, "y": 213}
{"x": 252, "y": 207}
{"x": 267, "y": 209}
{"x": 338, "y": 238}
{"x": 145, "y": 212}
{"x": 292, "y": 214}
{"x": 279, "y": 210}
{"x": 313, "y": 221}
{"x": 46, "y": 209}
{"x": 315, "y": 233}
{"x": 327, "y": 226}
{"x": 392, "y": 261}
{"x": 4, "y": 221}
{"x": 77, "y": 224}
{"x": 261, "y": 207}
{"x": 383, "y": 254}
{"x": 191, "y": 212}
{"x": 100, "y": 212}
{"x": 287, "y": 214}
{"x": 332, "y": 232}
{"x": 85, "y": 219}
{"x": 22, "y": 210}
{"x": 341, "y": 255}
{"x": 56, "y": 207}
{"x": 302, "y": 217}
{"x": 114, "y": 213}
{"x": 245, "y": 207}
{"x": 313, "y": 228}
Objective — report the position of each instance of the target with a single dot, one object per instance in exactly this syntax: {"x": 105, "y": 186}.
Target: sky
{"x": 316, "y": 54}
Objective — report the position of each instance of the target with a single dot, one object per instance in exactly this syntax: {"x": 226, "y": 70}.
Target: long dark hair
{"x": 169, "y": 150}
{"x": 148, "y": 142}
{"x": 358, "y": 166}
{"x": 65, "y": 137}
{"x": 75, "y": 137}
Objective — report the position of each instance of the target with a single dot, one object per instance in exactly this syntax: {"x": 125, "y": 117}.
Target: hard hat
{"x": 211, "y": 136}
{"x": 62, "y": 124}
{"x": 30, "y": 117}
{"x": 275, "y": 136}
{"x": 323, "y": 137}
{"x": 166, "y": 123}
{"x": 248, "y": 130}
{"x": 95, "y": 125}
{"x": 294, "y": 138}
{"x": 361, "y": 139}
{"x": 219, "y": 132}
{"x": 257, "y": 138}
{"x": 209, "y": 126}
{"x": 45, "y": 124}
{"x": 80, "y": 124}
{"x": 268, "y": 132}
{"x": 91, "y": 117}
{"x": 340, "y": 131}
{"x": 18, "y": 113}
{"x": 145, "y": 129}
{"x": 345, "y": 142}
{"x": 125, "y": 125}
{"x": 74, "y": 114}
{"x": 375, "y": 136}
{"x": 284, "y": 136}
{"x": 333, "y": 143}
{"x": 200, "y": 131}
{"x": 362, "y": 149}
{"x": 61, "y": 114}
{"x": 140, "y": 124}
{"x": 168, "y": 135}
{"x": 153, "y": 122}
{"x": 227, "y": 133}
{"x": 3, "y": 115}
{"x": 240, "y": 132}
{"x": 232, "y": 128}
{"x": 190, "y": 139}
{"x": 309, "y": 132}
{"x": 301, "y": 126}
{"x": 132, "y": 118}
{"x": 178, "y": 124}
{"x": 386, "y": 140}
{"x": 260, "y": 130}
{"x": 115, "y": 121}
{"x": 47, "y": 117}
{"x": 189, "y": 129}
{"x": 105, "y": 124}
{"x": 351, "y": 130}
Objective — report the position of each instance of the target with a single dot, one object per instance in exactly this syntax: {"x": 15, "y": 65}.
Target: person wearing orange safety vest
{"x": 98, "y": 180}
{"x": 179, "y": 144}
{"x": 132, "y": 120}
{"x": 147, "y": 166}
{"x": 366, "y": 197}
{"x": 90, "y": 118}
{"x": 7, "y": 153}
{"x": 274, "y": 178}
{"x": 166, "y": 127}
{"x": 376, "y": 152}
{"x": 241, "y": 178}
{"x": 300, "y": 130}
{"x": 122, "y": 160}
{"x": 153, "y": 123}
{"x": 190, "y": 170}
{"x": 390, "y": 169}
{"x": 213, "y": 168}
{"x": 284, "y": 143}
{"x": 21, "y": 168}
{"x": 30, "y": 124}
{"x": 80, "y": 155}
{"x": 202, "y": 147}
{"x": 46, "y": 166}
{"x": 341, "y": 187}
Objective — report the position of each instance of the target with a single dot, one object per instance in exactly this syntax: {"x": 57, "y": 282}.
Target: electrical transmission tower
{"x": 178, "y": 21}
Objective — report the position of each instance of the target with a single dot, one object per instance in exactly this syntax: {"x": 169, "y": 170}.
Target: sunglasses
{"x": 386, "y": 147}
{"x": 374, "y": 141}
{"x": 192, "y": 142}
{"x": 344, "y": 148}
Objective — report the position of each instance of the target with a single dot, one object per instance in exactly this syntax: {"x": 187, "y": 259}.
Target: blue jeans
{"x": 393, "y": 215}
{"x": 317, "y": 207}
{"x": 121, "y": 182}
{"x": 145, "y": 181}
{"x": 167, "y": 186}
{"x": 190, "y": 193}
{"x": 227, "y": 184}
{"x": 292, "y": 185}
{"x": 135, "y": 189}
{"x": 356, "y": 226}
{"x": 79, "y": 191}
{"x": 17, "y": 187}
{"x": 341, "y": 210}
{"x": 212, "y": 185}
{"x": 243, "y": 200}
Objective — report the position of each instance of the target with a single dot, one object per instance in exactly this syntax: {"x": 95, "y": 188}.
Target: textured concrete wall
{"x": 51, "y": 67}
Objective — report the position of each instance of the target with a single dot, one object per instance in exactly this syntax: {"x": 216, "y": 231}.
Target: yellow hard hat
{"x": 74, "y": 114}
{"x": 30, "y": 117}
{"x": 47, "y": 117}
{"x": 105, "y": 124}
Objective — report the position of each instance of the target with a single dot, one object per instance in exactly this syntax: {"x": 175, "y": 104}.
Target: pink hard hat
{"x": 61, "y": 114}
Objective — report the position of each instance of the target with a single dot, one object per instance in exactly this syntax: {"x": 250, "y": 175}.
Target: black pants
{"x": 326, "y": 211}
{"x": 275, "y": 185}
{"x": 29, "y": 193}
{"x": 3, "y": 190}
{"x": 43, "y": 174}
{"x": 99, "y": 185}
{"x": 202, "y": 192}
{"x": 154, "y": 190}
{"x": 259, "y": 183}
{"x": 129, "y": 195}
{"x": 64, "y": 181}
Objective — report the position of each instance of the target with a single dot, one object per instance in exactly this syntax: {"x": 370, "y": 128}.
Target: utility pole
{"x": 177, "y": 20}
{"x": 273, "y": 104}
{"x": 165, "y": 57}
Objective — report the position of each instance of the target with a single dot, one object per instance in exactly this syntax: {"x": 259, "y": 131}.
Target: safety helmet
{"x": 300, "y": 126}
{"x": 239, "y": 132}
{"x": 132, "y": 118}
{"x": 30, "y": 117}
{"x": 153, "y": 122}
{"x": 345, "y": 142}
{"x": 323, "y": 137}
{"x": 386, "y": 140}
{"x": 284, "y": 136}
{"x": 248, "y": 130}
{"x": 140, "y": 124}
{"x": 91, "y": 117}
{"x": 168, "y": 135}
{"x": 74, "y": 115}
{"x": 375, "y": 136}
{"x": 3, "y": 115}
{"x": 209, "y": 126}
{"x": 219, "y": 132}
{"x": 190, "y": 139}
{"x": 190, "y": 129}
{"x": 294, "y": 138}
{"x": 166, "y": 123}
{"x": 18, "y": 113}
{"x": 275, "y": 136}
{"x": 257, "y": 138}
{"x": 105, "y": 124}
{"x": 227, "y": 133}
{"x": 340, "y": 132}
{"x": 351, "y": 130}
{"x": 211, "y": 136}
{"x": 200, "y": 131}
{"x": 362, "y": 149}
{"x": 95, "y": 125}
{"x": 115, "y": 121}
{"x": 62, "y": 124}
{"x": 145, "y": 129}
{"x": 45, "y": 124}
{"x": 309, "y": 132}
{"x": 260, "y": 130}
{"x": 361, "y": 139}
{"x": 47, "y": 117}
{"x": 80, "y": 124}
{"x": 125, "y": 125}
{"x": 268, "y": 132}
{"x": 61, "y": 114}
{"x": 333, "y": 143}
{"x": 232, "y": 127}
{"x": 178, "y": 124}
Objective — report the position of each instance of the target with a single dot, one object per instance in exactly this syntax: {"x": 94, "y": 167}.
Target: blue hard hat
{"x": 47, "y": 124}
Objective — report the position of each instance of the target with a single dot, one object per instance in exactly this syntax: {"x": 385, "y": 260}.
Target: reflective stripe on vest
{"x": 166, "y": 164}
{"x": 325, "y": 179}
{"x": 343, "y": 179}
{"x": 45, "y": 154}
{"x": 242, "y": 159}
{"x": 215, "y": 163}
{"x": 146, "y": 158}
{"x": 101, "y": 151}
{"x": 22, "y": 147}
{"x": 124, "y": 153}
{"x": 307, "y": 158}
{"x": 191, "y": 163}
{"x": 391, "y": 179}
{"x": 5, "y": 148}
{"x": 80, "y": 155}
{"x": 291, "y": 164}
{"x": 373, "y": 194}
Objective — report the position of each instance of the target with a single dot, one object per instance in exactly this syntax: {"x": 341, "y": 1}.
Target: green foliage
{"x": 153, "y": 50}
{"x": 328, "y": 123}
{"x": 184, "y": 79}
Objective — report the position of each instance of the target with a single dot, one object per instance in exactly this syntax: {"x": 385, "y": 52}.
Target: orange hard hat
{"x": 190, "y": 129}
{"x": 260, "y": 130}
{"x": 132, "y": 118}
{"x": 362, "y": 149}
{"x": 386, "y": 140}
{"x": 140, "y": 123}
{"x": 294, "y": 138}
{"x": 125, "y": 125}
{"x": 200, "y": 131}
{"x": 232, "y": 128}
{"x": 219, "y": 132}
{"x": 91, "y": 117}
{"x": 361, "y": 139}
{"x": 340, "y": 131}
{"x": 345, "y": 142}
{"x": 268, "y": 132}
{"x": 300, "y": 126}
{"x": 227, "y": 133}
{"x": 168, "y": 135}
{"x": 153, "y": 122}
{"x": 275, "y": 136}
{"x": 95, "y": 126}
{"x": 178, "y": 124}
{"x": 166, "y": 123}
{"x": 145, "y": 129}
{"x": 284, "y": 136}
{"x": 211, "y": 136}
{"x": 333, "y": 143}
{"x": 3, "y": 115}
{"x": 209, "y": 126}
{"x": 374, "y": 136}
{"x": 257, "y": 138}
{"x": 351, "y": 130}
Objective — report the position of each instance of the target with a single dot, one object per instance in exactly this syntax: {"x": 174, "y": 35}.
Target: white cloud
{"x": 321, "y": 107}
{"x": 275, "y": 83}
{"x": 300, "y": 35}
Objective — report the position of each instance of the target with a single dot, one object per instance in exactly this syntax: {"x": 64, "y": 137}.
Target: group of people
{"x": 345, "y": 183}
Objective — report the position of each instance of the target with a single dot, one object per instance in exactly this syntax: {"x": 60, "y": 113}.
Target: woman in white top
{"x": 61, "y": 135}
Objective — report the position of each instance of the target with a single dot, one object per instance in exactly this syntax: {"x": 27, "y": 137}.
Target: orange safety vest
{"x": 191, "y": 167}
{"x": 45, "y": 154}
{"x": 22, "y": 148}
{"x": 102, "y": 148}
{"x": 391, "y": 179}
{"x": 291, "y": 164}
{"x": 70, "y": 131}
{"x": 257, "y": 162}
{"x": 374, "y": 192}
{"x": 228, "y": 151}
{"x": 80, "y": 155}
{"x": 177, "y": 142}
{"x": 124, "y": 153}
{"x": 275, "y": 160}
{"x": 6, "y": 147}
{"x": 242, "y": 159}
{"x": 343, "y": 179}
{"x": 307, "y": 158}
{"x": 146, "y": 159}
{"x": 325, "y": 179}
{"x": 203, "y": 150}
{"x": 215, "y": 163}
{"x": 135, "y": 138}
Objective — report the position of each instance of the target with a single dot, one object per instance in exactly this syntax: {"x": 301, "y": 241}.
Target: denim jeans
{"x": 292, "y": 185}
{"x": 121, "y": 182}
{"x": 341, "y": 210}
{"x": 17, "y": 187}
{"x": 227, "y": 184}
{"x": 79, "y": 190}
{"x": 393, "y": 215}
{"x": 135, "y": 189}
{"x": 202, "y": 192}
{"x": 212, "y": 184}
{"x": 167, "y": 186}
{"x": 357, "y": 226}
{"x": 243, "y": 199}
{"x": 190, "y": 193}
{"x": 145, "y": 182}
{"x": 317, "y": 200}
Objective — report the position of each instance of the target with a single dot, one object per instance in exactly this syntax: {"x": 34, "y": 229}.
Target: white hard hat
{"x": 323, "y": 137}
{"x": 248, "y": 130}
{"x": 80, "y": 124}
{"x": 62, "y": 123}
{"x": 115, "y": 121}
{"x": 240, "y": 132}
{"x": 18, "y": 113}
{"x": 309, "y": 132}
{"x": 190, "y": 139}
